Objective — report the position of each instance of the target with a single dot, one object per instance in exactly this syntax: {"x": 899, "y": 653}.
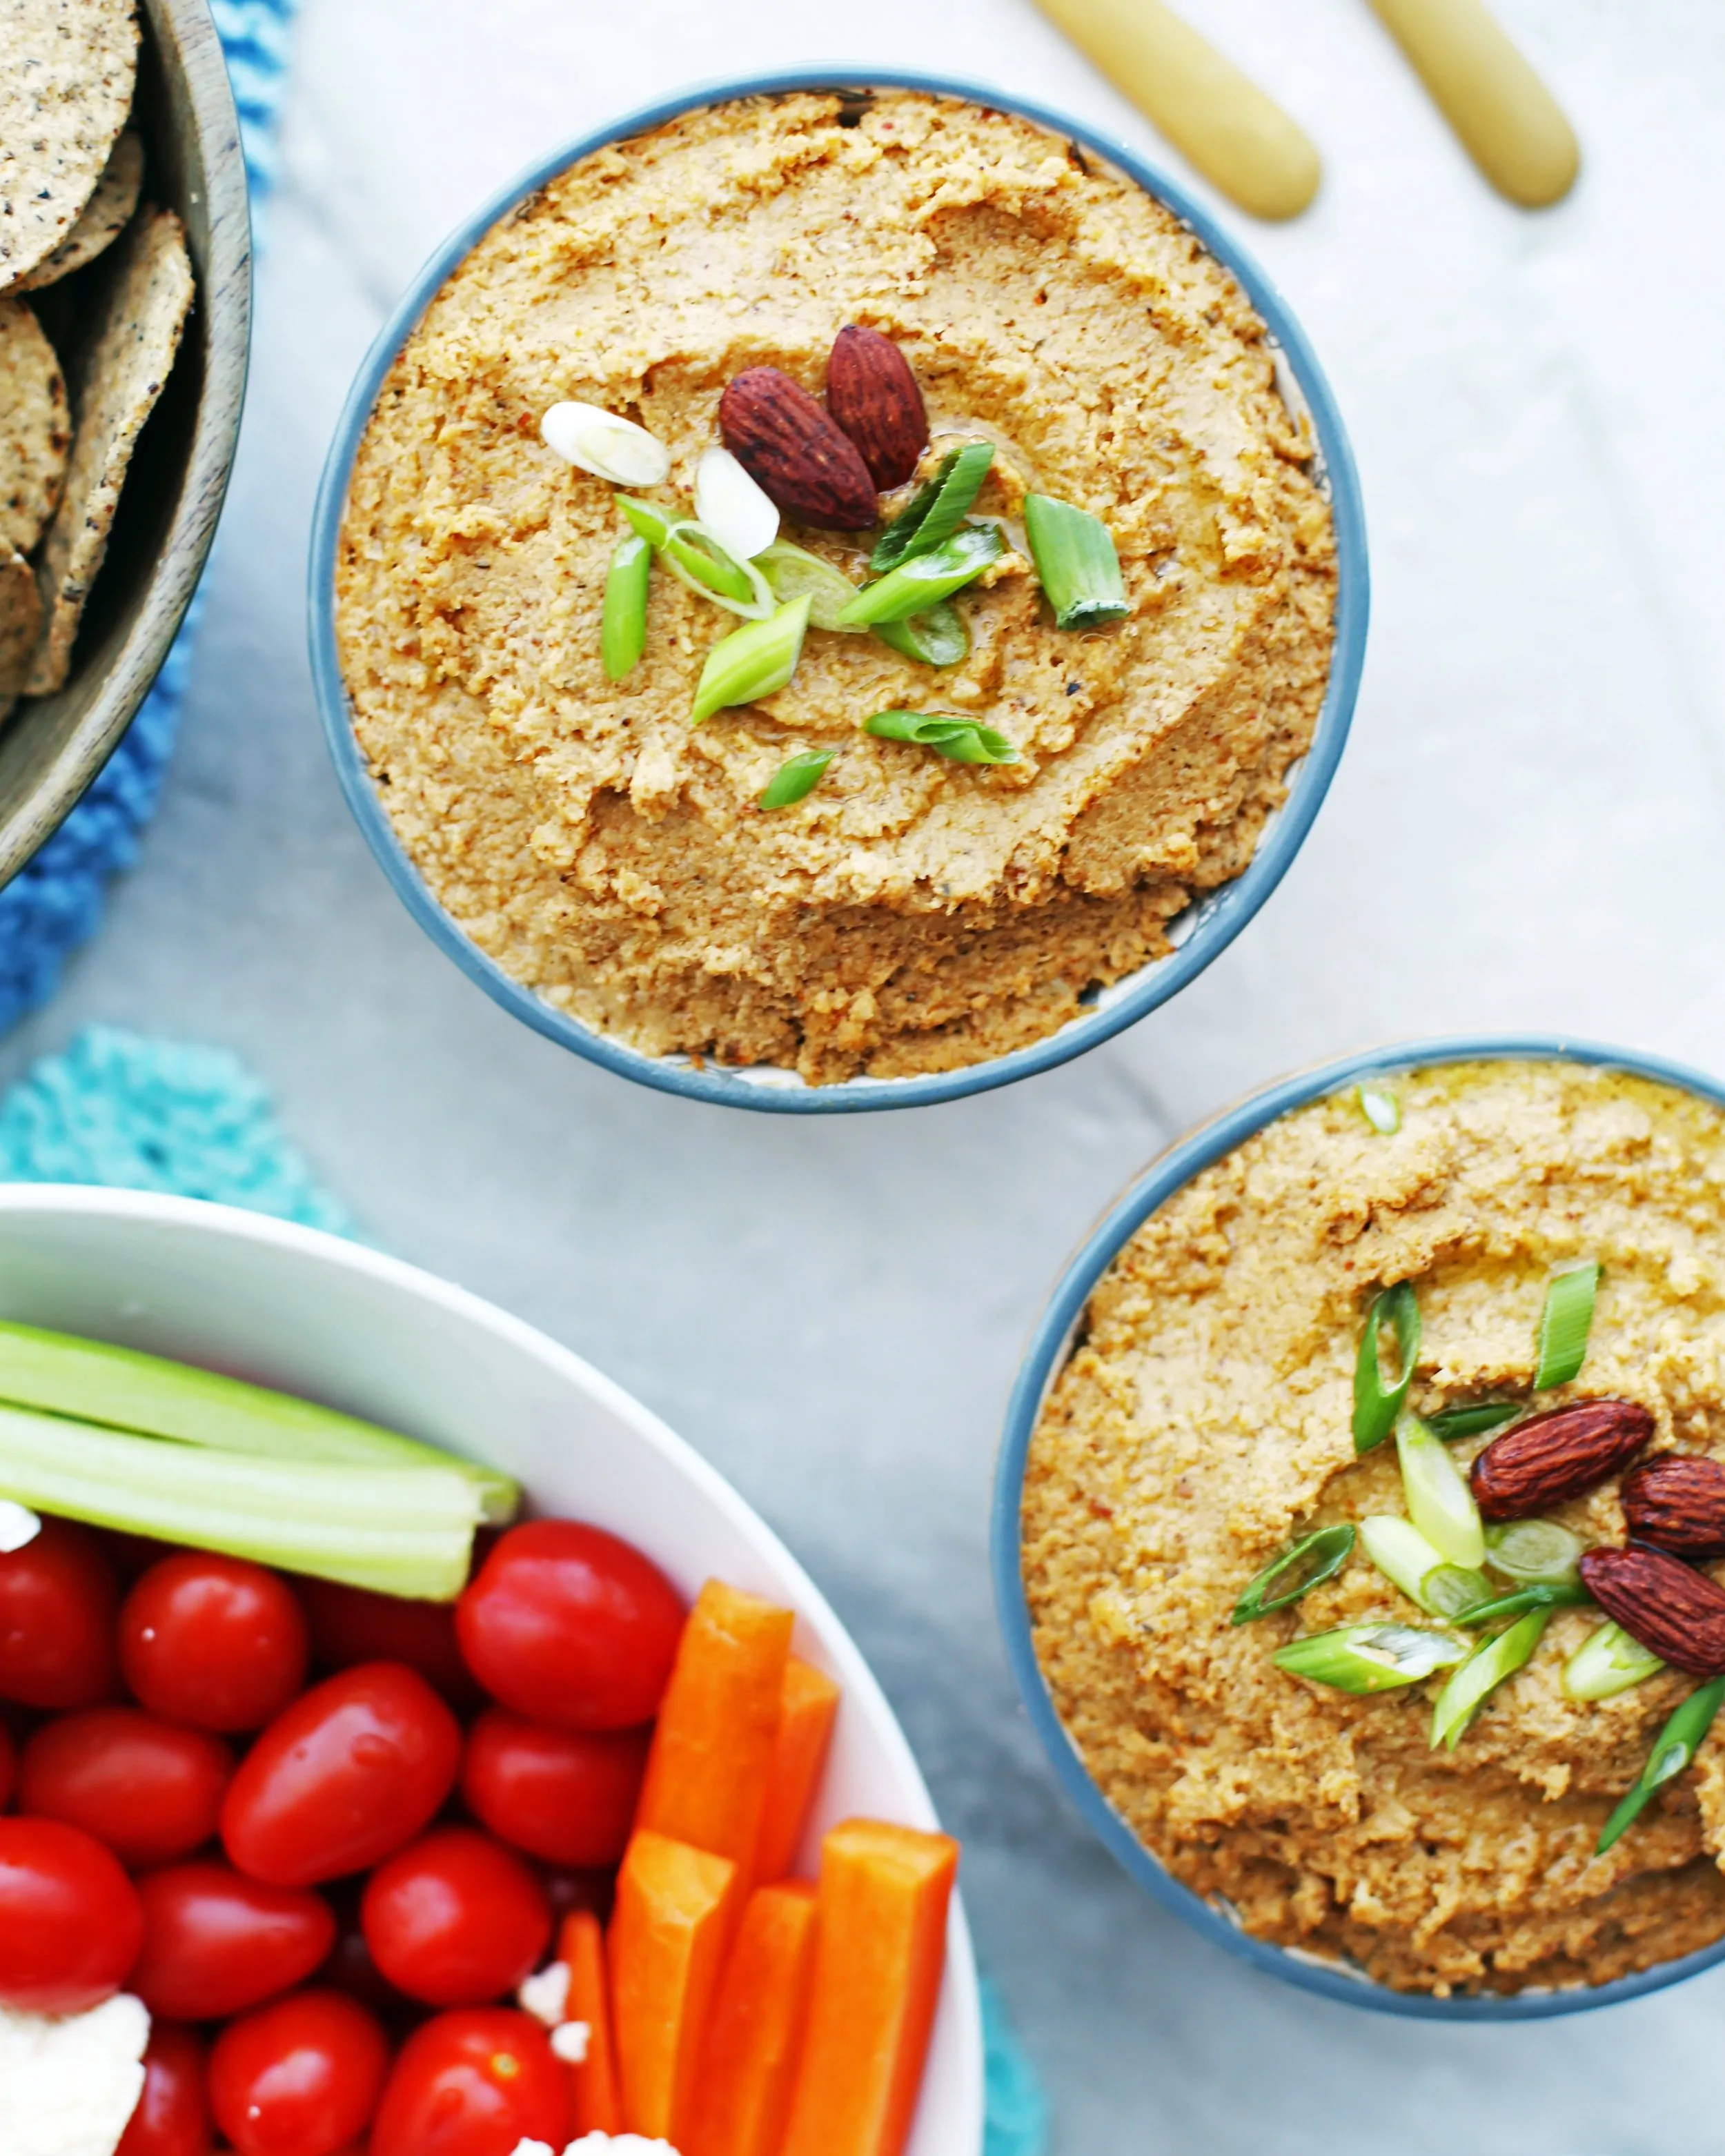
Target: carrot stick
{"x": 595, "y": 2103}
{"x": 718, "y": 1722}
{"x": 808, "y": 1709}
{"x": 668, "y": 1932}
{"x": 752, "y": 2037}
{"x": 880, "y": 1951}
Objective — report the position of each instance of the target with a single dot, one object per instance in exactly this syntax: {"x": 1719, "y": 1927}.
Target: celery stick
{"x": 128, "y": 1390}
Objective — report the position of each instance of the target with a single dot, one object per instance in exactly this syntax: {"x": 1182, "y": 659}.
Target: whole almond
{"x": 795, "y": 452}
{"x": 1677, "y": 1502}
{"x": 873, "y": 395}
{"x": 1675, "y": 1612}
{"x": 1549, "y": 1457}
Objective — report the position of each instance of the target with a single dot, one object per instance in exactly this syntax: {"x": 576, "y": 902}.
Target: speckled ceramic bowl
{"x": 1050, "y": 1347}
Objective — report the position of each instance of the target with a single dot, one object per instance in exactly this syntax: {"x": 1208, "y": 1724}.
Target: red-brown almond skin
{"x": 1675, "y": 1612}
{"x": 796, "y": 452}
{"x": 1558, "y": 1455}
{"x": 873, "y": 395}
{"x": 1677, "y": 1502}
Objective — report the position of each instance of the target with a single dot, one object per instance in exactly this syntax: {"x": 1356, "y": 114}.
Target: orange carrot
{"x": 750, "y": 2058}
{"x": 808, "y": 1709}
{"x": 880, "y": 1951}
{"x": 595, "y": 2105}
{"x": 718, "y": 1722}
{"x": 668, "y": 1932}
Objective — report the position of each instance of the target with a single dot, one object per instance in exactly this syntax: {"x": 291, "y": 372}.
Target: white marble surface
{"x": 1529, "y": 831}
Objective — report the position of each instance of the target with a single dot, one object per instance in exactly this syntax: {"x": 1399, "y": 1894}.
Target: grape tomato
{"x": 9, "y": 1766}
{"x": 70, "y": 1924}
{"x": 150, "y": 1790}
{"x": 352, "y": 1624}
{"x": 566, "y": 1796}
{"x": 213, "y": 1641}
{"x": 456, "y": 1919}
{"x": 216, "y": 1943}
{"x": 172, "y": 2118}
{"x": 57, "y": 1603}
{"x": 300, "y": 2077}
{"x": 473, "y": 2084}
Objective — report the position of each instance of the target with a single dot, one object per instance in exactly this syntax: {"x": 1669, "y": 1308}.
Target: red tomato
{"x": 473, "y": 2084}
{"x": 9, "y": 1766}
{"x": 215, "y": 1942}
{"x": 213, "y": 1641}
{"x": 456, "y": 1919}
{"x": 172, "y": 2118}
{"x": 149, "y": 1791}
{"x": 348, "y": 1774}
{"x": 57, "y": 1597}
{"x": 349, "y": 1625}
{"x": 70, "y": 1921}
{"x": 298, "y": 2078}
{"x": 567, "y": 1795}
{"x": 569, "y": 1625}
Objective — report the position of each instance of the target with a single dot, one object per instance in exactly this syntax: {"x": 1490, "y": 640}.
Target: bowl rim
{"x": 1217, "y": 918}
{"x": 1166, "y": 1173}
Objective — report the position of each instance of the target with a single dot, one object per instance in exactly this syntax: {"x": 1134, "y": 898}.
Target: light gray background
{"x": 1526, "y": 832}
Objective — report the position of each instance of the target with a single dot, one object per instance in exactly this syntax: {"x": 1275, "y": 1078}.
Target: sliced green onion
{"x": 1608, "y": 1661}
{"x": 939, "y": 638}
{"x": 793, "y": 572}
{"x": 1074, "y": 557}
{"x": 936, "y": 510}
{"x": 1470, "y": 1421}
{"x": 623, "y": 629}
{"x": 1544, "y": 1595}
{"x": 916, "y": 584}
{"x": 1439, "y": 1502}
{"x": 125, "y": 1389}
{"x": 1303, "y": 1565}
{"x": 1380, "y": 1108}
{"x": 1410, "y": 1561}
{"x": 1479, "y": 1676}
{"x": 966, "y": 741}
{"x": 1363, "y": 1658}
{"x": 796, "y": 778}
{"x": 1565, "y": 1322}
{"x": 1379, "y": 1396}
{"x": 696, "y": 558}
{"x": 751, "y": 662}
{"x": 1532, "y": 1550}
{"x": 1674, "y": 1747}
{"x": 399, "y": 1530}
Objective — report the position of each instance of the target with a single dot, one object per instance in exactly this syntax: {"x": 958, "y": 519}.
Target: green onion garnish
{"x": 1399, "y": 1550}
{"x": 939, "y": 638}
{"x": 966, "y": 741}
{"x": 1470, "y": 1421}
{"x": 796, "y": 779}
{"x": 1676, "y": 1745}
{"x": 697, "y": 558}
{"x": 756, "y": 660}
{"x": 1074, "y": 557}
{"x": 916, "y": 584}
{"x": 1378, "y": 1397}
{"x": 1380, "y": 1108}
{"x": 793, "y": 572}
{"x": 1479, "y": 1676}
{"x": 1565, "y": 1322}
{"x": 936, "y": 510}
{"x": 1303, "y": 1566}
{"x": 1440, "y": 1501}
{"x": 1363, "y": 1658}
{"x": 1548, "y": 1594}
{"x": 1534, "y": 1551}
{"x": 623, "y": 629}
{"x": 1608, "y": 1661}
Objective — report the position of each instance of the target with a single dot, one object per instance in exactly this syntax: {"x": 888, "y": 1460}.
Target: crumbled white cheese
{"x": 18, "y": 1525}
{"x": 594, "y": 2144}
{"x": 545, "y": 1994}
{"x": 70, "y": 2082}
{"x": 569, "y": 2040}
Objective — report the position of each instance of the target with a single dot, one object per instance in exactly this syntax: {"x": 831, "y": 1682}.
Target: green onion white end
{"x": 1608, "y": 1661}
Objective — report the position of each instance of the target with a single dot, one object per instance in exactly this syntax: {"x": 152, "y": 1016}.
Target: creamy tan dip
{"x": 912, "y": 914}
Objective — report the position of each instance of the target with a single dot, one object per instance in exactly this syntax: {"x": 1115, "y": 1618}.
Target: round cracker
{"x": 20, "y": 622}
{"x": 35, "y": 427}
{"x": 106, "y": 216}
{"x": 65, "y": 90}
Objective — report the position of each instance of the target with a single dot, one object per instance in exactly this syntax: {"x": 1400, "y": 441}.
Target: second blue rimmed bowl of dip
{"x": 917, "y": 928}
{"x": 1188, "y": 1397}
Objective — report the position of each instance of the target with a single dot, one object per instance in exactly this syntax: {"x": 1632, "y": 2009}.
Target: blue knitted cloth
{"x": 55, "y": 904}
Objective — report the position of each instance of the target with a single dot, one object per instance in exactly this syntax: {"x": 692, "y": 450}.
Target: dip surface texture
{"x": 1205, "y": 1420}
{"x": 912, "y": 914}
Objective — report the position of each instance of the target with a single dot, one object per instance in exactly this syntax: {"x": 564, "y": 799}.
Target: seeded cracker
{"x": 106, "y": 216}
{"x": 35, "y": 429}
{"x": 132, "y": 348}
{"x": 67, "y": 69}
{"x": 20, "y": 624}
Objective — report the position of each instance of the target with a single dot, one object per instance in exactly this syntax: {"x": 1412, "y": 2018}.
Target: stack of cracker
{"x": 71, "y": 175}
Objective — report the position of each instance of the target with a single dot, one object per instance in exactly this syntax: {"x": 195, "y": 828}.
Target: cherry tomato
{"x": 349, "y": 1625}
{"x": 151, "y": 1791}
{"x": 70, "y": 1921}
{"x": 57, "y": 1597}
{"x": 215, "y": 1942}
{"x": 567, "y": 1795}
{"x": 348, "y": 1774}
{"x": 456, "y": 1919}
{"x": 473, "y": 2084}
{"x": 213, "y": 1641}
{"x": 172, "y": 2118}
{"x": 300, "y": 2077}
{"x": 9, "y": 1766}
{"x": 569, "y": 1625}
